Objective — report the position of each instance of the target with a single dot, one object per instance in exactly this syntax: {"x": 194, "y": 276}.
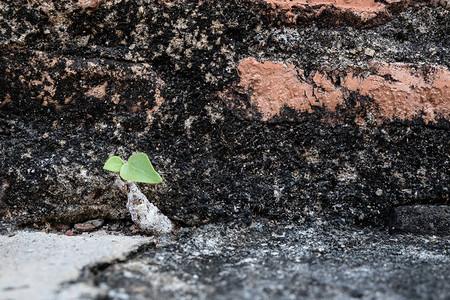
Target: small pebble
{"x": 97, "y": 222}
{"x": 134, "y": 229}
{"x": 69, "y": 233}
{"x": 369, "y": 52}
{"x": 84, "y": 227}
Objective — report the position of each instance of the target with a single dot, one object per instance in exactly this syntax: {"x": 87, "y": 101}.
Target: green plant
{"x": 138, "y": 168}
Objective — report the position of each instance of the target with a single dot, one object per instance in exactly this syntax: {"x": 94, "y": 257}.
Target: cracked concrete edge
{"x": 48, "y": 266}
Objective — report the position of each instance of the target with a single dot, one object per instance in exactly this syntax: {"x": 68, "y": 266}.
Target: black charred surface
{"x": 215, "y": 164}
{"x": 421, "y": 219}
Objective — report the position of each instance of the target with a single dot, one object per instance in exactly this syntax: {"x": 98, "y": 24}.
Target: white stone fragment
{"x": 146, "y": 215}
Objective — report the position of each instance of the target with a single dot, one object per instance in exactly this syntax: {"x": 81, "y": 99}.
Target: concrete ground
{"x": 34, "y": 265}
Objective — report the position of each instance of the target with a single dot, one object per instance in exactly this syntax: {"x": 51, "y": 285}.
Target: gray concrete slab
{"x": 33, "y": 265}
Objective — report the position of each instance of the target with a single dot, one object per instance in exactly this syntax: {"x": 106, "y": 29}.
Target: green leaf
{"x": 139, "y": 169}
{"x": 114, "y": 164}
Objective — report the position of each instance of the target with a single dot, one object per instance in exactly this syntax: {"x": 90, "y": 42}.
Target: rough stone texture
{"x": 269, "y": 261}
{"x": 421, "y": 219}
{"x": 84, "y": 80}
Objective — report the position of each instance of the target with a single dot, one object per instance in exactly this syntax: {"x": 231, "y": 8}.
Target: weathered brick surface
{"x": 247, "y": 108}
{"x": 398, "y": 91}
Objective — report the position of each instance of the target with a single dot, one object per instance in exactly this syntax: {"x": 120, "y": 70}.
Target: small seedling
{"x": 143, "y": 213}
{"x": 138, "y": 168}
